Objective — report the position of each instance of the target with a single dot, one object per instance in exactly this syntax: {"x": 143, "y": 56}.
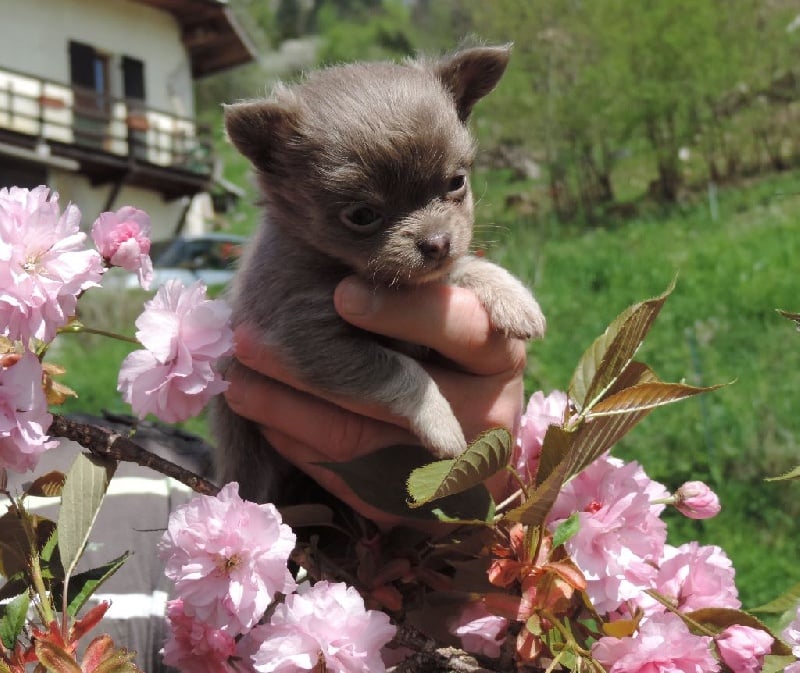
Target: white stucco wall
{"x": 92, "y": 199}
{"x": 35, "y": 34}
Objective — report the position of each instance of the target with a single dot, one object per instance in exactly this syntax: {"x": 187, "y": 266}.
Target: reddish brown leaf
{"x": 54, "y": 658}
{"x": 645, "y": 397}
{"x": 91, "y": 619}
{"x": 47, "y": 485}
{"x": 608, "y": 357}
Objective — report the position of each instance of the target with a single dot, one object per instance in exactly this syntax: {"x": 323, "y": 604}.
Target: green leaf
{"x": 51, "y": 561}
{"x": 786, "y": 601}
{"x": 13, "y": 587}
{"x": 486, "y": 456}
{"x": 15, "y": 548}
{"x": 14, "y": 544}
{"x": 566, "y": 529}
{"x": 610, "y": 354}
{"x": 425, "y": 482}
{"x": 379, "y": 479}
{"x": 791, "y": 474}
{"x": 12, "y": 620}
{"x": 83, "y": 585}
{"x": 82, "y": 495}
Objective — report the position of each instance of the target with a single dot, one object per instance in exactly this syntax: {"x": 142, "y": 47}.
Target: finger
{"x": 480, "y": 402}
{"x": 267, "y": 360}
{"x": 337, "y": 433}
{"x": 448, "y": 319}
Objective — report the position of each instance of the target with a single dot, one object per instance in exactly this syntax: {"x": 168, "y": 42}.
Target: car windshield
{"x": 200, "y": 253}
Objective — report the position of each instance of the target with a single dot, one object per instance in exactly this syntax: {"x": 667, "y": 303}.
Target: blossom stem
{"x": 688, "y": 620}
{"x": 514, "y": 496}
{"x": 519, "y": 480}
{"x": 570, "y": 644}
{"x": 77, "y": 327}
{"x": 35, "y": 568}
{"x": 664, "y": 501}
{"x": 556, "y": 660}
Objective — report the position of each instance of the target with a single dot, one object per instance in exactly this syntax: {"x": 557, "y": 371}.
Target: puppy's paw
{"x": 514, "y": 312}
{"x": 440, "y": 433}
{"x": 433, "y": 421}
{"x": 511, "y": 307}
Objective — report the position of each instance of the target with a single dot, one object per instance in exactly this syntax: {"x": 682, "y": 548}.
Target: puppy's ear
{"x": 472, "y": 73}
{"x": 262, "y": 130}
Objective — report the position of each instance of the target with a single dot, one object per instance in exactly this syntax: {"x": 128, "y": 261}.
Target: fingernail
{"x": 243, "y": 342}
{"x": 355, "y": 298}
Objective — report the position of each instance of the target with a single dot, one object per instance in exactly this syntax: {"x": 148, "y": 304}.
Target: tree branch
{"x": 109, "y": 444}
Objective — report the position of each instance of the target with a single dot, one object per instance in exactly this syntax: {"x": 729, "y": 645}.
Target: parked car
{"x": 211, "y": 258}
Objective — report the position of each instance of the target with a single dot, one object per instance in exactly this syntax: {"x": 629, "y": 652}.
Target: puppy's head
{"x": 369, "y": 163}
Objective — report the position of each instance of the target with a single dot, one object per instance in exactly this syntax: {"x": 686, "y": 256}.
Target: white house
{"x": 96, "y": 101}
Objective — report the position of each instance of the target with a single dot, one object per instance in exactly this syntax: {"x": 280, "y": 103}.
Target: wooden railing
{"x": 63, "y": 113}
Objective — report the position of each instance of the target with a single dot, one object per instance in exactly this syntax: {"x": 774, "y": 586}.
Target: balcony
{"x": 109, "y": 140}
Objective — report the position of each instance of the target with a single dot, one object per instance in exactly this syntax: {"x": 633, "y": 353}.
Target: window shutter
{"x": 81, "y": 64}
{"x": 133, "y": 78}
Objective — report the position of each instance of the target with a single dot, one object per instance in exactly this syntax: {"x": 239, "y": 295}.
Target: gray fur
{"x": 392, "y": 137}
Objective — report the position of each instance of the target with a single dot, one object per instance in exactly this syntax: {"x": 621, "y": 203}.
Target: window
{"x": 89, "y": 78}
{"x": 134, "y": 92}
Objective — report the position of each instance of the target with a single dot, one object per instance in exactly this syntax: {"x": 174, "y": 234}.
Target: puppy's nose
{"x": 435, "y": 247}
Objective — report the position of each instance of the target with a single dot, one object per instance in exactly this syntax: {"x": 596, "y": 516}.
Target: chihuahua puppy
{"x": 363, "y": 169}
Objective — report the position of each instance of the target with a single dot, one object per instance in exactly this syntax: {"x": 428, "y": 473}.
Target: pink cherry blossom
{"x": 23, "y": 412}
{"x": 742, "y": 648}
{"x": 620, "y": 537}
{"x": 183, "y": 333}
{"x": 696, "y": 577}
{"x": 697, "y": 501}
{"x": 123, "y": 239}
{"x": 327, "y": 622}
{"x": 663, "y": 644}
{"x": 480, "y": 631}
{"x": 44, "y": 263}
{"x": 227, "y": 558}
{"x": 195, "y": 647}
{"x": 541, "y": 413}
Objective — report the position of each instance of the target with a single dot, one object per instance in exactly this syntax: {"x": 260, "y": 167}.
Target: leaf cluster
{"x": 39, "y": 559}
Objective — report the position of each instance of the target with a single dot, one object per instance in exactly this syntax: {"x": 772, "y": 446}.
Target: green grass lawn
{"x": 719, "y": 326}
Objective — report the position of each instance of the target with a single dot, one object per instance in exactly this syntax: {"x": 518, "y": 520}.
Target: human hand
{"x": 479, "y": 372}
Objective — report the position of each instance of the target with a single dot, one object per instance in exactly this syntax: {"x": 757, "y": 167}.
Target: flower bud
{"x": 123, "y": 239}
{"x": 697, "y": 501}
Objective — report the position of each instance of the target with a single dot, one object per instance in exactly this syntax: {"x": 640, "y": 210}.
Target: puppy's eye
{"x": 362, "y": 218}
{"x": 457, "y": 184}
